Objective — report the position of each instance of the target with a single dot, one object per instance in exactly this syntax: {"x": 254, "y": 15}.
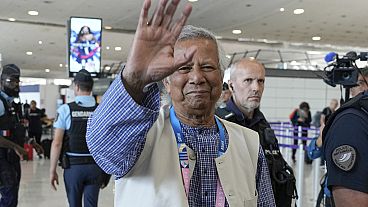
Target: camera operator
{"x": 345, "y": 143}
{"x": 361, "y": 84}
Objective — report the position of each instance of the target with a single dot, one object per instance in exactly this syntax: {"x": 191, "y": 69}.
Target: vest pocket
{"x": 251, "y": 199}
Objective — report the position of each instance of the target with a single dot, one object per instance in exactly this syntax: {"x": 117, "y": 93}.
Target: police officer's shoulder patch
{"x": 344, "y": 157}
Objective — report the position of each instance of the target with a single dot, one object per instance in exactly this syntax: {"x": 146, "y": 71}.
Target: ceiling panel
{"x": 340, "y": 24}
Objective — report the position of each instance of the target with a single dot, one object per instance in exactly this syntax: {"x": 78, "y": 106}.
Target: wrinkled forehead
{"x": 205, "y": 48}
{"x": 199, "y": 43}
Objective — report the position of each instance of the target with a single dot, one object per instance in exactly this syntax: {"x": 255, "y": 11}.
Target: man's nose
{"x": 196, "y": 76}
{"x": 255, "y": 85}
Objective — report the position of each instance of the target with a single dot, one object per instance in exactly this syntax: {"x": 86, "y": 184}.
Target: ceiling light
{"x": 228, "y": 56}
{"x": 29, "y": 53}
{"x": 316, "y": 38}
{"x": 294, "y": 63}
{"x": 282, "y": 9}
{"x": 40, "y": 42}
{"x": 252, "y": 58}
{"x": 243, "y": 39}
{"x": 117, "y": 48}
{"x": 65, "y": 82}
{"x": 66, "y": 65}
{"x": 237, "y": 31}
{"x": 312, "y": 67}
{"x": 298, "y": 11}
{"x": 314, "y": 53}
{"x": 47, "y": 70}
{"x": 108, "y": 27}
{"x": 192, "y": 0}
{"x": 33, "y": 13}
{"x": 107, "y": 48}
{"x": 218, "y": 37}
{"x": 11, "y": 19}
{"x": 60, "y": 65}
{"x": 107, "y": 68}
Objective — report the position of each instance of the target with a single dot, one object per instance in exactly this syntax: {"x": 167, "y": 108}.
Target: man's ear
{"x": 231, "y": 86}
{"x": 166, "y": 83}
{"x": 76, "y": 86}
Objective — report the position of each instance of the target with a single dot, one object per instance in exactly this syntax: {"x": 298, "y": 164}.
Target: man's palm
{"x": 152, "y": 56}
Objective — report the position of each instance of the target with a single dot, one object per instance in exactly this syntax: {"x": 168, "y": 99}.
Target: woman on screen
{"x": 86, "y": 47}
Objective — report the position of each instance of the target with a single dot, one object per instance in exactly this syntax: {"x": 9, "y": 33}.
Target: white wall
{"x": 29, "y": 96}
{"x": 48, "y": 99}
{"x": 282, "y": 95}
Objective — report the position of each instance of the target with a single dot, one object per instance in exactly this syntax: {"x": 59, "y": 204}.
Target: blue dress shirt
{"x": 116, "y": 136}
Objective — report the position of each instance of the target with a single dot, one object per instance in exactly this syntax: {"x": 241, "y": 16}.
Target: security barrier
{"x": 285, "y": 133}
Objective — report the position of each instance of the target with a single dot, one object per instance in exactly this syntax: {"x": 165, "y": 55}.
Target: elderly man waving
{"x": 180, "y": 155}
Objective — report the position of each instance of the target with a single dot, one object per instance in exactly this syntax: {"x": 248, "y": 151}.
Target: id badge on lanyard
{"x": 183, "y": 156}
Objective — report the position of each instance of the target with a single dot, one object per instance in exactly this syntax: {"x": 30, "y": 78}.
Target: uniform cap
{"x": 10, "y": 70}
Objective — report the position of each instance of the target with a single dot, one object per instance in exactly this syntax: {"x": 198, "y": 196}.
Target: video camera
{"x": 343, "y": 71}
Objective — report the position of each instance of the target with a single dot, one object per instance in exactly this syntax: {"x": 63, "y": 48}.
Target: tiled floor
{"x": 35, "y": 190}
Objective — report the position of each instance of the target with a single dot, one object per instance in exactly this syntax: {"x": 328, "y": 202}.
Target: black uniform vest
{"x": 77, "y": 132}
{"x": 359, "y": 102}
{"x": 282, "y": 176}
{"x": 10, "y": 123}
{"x": 12, "y": 130}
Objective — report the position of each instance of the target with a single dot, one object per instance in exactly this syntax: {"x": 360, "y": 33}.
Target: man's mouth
{"x": 254, "y": 97}
{"x": 198, "y": 92}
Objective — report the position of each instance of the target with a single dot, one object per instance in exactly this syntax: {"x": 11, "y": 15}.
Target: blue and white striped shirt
{"x": 116, "y": 136}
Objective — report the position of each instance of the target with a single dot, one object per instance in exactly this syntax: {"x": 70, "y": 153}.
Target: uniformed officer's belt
{"x": 81, "y": 160}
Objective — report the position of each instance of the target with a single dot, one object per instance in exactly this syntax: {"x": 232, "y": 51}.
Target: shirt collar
{"x": 230, "y": 106}
{"x": 7, "y": 98}
{"x": 257, "y": 115}
{"x": 84, "y": 100}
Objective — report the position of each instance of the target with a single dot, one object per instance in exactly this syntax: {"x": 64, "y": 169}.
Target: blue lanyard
{"x": 180, "y": 139}
{"x": 183, "y": 155}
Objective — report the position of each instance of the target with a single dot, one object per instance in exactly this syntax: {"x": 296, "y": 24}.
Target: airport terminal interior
{"x": 298, "y": 42}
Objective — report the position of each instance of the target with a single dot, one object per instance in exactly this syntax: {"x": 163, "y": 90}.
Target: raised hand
{"x": 152, "y": 54}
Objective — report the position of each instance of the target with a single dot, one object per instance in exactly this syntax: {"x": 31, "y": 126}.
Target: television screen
{"x": 85, "y": 45}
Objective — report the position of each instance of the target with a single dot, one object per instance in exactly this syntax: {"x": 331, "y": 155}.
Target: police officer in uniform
{"x": 246, "y": 83}
{"x": 81, "y": 173}
{"x": 345, "y": 147}
{"x": 12, "y": 137}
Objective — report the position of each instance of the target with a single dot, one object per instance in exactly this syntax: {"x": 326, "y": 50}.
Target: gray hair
{"x": 192, "y": 32}
{"x": 235, "y": 64}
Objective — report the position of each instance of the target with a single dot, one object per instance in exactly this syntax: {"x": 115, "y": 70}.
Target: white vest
{"x": 156, "y": 180}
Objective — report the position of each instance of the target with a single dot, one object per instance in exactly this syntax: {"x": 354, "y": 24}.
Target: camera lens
{"x": 346, "y": 76}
